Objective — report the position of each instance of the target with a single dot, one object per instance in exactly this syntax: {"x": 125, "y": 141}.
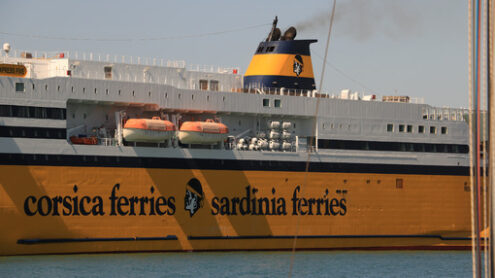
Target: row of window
{"x": 420, "y": 129}
{"x": 391, "y": 146}
{"x": 32, "y": 132}
{"x": 19, "y": 87}
{"x": 276, "y": 103}
{"x": 32, "y": 112}
{"x": 203, "y": 85}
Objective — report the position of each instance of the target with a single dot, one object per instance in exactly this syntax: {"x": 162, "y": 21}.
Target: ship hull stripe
{"x": 227, "y": 164}
{"x": 72, "y": 240}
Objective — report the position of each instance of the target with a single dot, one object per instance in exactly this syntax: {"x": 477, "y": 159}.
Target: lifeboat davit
{"x": 208, "y": 132}
{"x": 153, "y": 130}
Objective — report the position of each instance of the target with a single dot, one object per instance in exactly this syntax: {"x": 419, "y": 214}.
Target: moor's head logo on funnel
{"x": 297, "y": 66}
{"x": 194, "y": 196}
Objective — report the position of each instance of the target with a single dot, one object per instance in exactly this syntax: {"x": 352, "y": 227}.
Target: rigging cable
{"x": 483, "y": 131}
{"x": 491, "y": 150}
{"x": 310, "y": 143}
{"x": 341, "y": 72}
{"x": 136, "y": 39}
{"x": 474, "y": 138}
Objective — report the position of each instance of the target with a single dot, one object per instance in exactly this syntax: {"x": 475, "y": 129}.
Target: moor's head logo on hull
{"x": 193, "y": 200}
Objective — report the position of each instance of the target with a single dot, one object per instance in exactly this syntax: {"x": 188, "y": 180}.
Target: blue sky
{"x": 388, "y": 47}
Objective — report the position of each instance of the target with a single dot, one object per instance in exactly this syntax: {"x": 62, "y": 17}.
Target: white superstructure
{"x": 60, "y": 97}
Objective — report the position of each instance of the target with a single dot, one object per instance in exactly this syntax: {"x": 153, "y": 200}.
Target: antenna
{"x": 274, "y": 26}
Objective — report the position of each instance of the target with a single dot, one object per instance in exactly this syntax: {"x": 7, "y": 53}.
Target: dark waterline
{"x": 244, "y": 264}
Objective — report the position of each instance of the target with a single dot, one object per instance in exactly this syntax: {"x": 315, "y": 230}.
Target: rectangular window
{"x": 425, "y": 113}
{"x": 277, "y": 103}
{"x": 108, "y": 72}
{"x": 401, "y": 128}
{"x": 19, "y": 87}
{"x": 266, "y": 102}
{"x": 444, "y": 130}
{"x": 213, "y": 85}
{"x": 409, "y": 128}
{"x": 433, "y": 130}
{"x": 5, "y": 111}
{"x": 399, "y": 183}
{"x": 421, "y": 129}
{"x": 390, "y": 128}
{"x": 203, "y": 85}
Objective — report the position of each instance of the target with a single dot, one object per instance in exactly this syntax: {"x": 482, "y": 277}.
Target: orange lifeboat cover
{"x": 150, "y": 124}
{"x": 208, "y": 126}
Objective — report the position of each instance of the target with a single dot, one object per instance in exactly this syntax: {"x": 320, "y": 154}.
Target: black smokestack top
{"x": 289, "y": 34}
{"x": 364, "y": 19}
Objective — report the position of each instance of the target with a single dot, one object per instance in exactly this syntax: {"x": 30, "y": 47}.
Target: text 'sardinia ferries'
{"x": 110, "y": 156}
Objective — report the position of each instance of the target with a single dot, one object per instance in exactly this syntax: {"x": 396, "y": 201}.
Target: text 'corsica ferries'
{"x": 106, "y": 155}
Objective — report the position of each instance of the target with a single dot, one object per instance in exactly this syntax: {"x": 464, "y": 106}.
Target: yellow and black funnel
{"x": 281, "y": 61}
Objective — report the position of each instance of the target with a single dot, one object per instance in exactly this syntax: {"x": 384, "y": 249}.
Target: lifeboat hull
{"x": 152, "y": 130}
{"x": 201, "y": 138}
{"x": 146, "y": 135}
{"x": 203, "y": 133}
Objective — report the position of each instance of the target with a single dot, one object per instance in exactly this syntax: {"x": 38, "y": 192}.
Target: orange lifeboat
{"x": 208, "y": 132}
{"x": 84, "y": 140}
{"x": 153, "y": 130}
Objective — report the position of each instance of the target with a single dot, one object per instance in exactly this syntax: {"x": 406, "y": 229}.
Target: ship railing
{"x": 278, "y": 91}
{"x": 107, "y": 141}
{"x": 445, "y": 114}
{"x": 124, "y": 59}
{"x": 213, "y": 69}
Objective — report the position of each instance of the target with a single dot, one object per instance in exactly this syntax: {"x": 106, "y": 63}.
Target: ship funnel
{"x": 284, "y": 63}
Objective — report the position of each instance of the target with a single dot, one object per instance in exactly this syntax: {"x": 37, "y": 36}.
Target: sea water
{"x": 244, "y": 264}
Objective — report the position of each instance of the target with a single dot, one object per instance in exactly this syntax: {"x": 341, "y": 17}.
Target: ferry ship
{"x": 107, "y": 155}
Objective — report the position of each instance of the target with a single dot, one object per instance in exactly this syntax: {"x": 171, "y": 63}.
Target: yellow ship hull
{"x": 66, "y": 209}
